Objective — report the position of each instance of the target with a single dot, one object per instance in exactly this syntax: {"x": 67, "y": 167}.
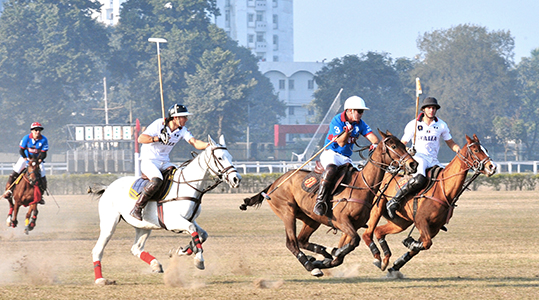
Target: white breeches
{"x": 331, "y": 157}
{"x": 22, "y": 163}
{"x": 424, "y": 162}
{"x": 153, "y": 168}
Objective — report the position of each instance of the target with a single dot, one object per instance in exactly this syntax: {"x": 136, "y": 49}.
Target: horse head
{"x": 392, "y": 153}
{"x": 476, "y": 157}
{"x": 33, "y": 172}
{"x": 219, "y": 162}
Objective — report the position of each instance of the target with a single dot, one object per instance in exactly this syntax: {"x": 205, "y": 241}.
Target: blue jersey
{"x": 336, "y": 127}
{"x": 32, "y": 148}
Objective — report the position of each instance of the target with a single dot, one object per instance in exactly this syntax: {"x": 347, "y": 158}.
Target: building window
{"x": 250, "y": 18}
{"x": 275, "y": 21}
{"x": 291, "y": 110}
{"x": 275, "y": 3}
{"x": 250, "y": 38}
{"x": 310, "y": 84}
{"x": 275, "y": 42}
{"x": 109, "y": 14}
{"x": 259, "y": 17}
{"x": 310, "y": 112}
{"x": 281, "y": 84}
{"x": 275, "y": 58}
{"x": 260, "y": 38}
{"x": 291, "y": 84}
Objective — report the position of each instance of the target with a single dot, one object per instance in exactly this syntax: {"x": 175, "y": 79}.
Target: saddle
{"x": 311, "y": 182}
{"x": 139, "y": 184}
{"x": 432, "y": 173}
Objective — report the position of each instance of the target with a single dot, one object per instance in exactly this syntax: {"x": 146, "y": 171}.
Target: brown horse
{"x": 430, "y": 210}
{"x": 351, "y": 205}
{"x": 26, "y": 192}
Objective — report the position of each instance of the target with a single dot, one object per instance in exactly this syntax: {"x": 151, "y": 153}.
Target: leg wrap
{"x": 374, "y": 249}
{"x": 146, "y": 257}
{"x": 401, "y": 261}
{"x": 385, "y": 247}
{"x": 97, "y": 270}
{"x": 305, "y": 262}
{"x": 412, "y": 244}
{"x": 196, "y": 241}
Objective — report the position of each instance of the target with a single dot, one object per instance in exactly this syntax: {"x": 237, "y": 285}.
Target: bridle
{"x": 222, "y": 171}
{"x": 395, "y": 165}
{"x": 34, "y": 172}
{"x": 471, "y": 160}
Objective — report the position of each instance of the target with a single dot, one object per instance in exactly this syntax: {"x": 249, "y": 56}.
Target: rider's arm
{"x": 42, "y": 155}
{"x": 198, "y": 144}
{"x": 22, "y": 152}
{"x": 372, "y": 138}
{"x": 147, "y": 139}
{"x": 454, "y": 146}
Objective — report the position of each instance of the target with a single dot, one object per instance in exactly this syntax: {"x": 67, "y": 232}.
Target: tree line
{"x": 54, "y": 56}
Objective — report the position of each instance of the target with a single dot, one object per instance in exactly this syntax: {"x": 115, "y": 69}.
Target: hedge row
{"x": 79, "y": 183}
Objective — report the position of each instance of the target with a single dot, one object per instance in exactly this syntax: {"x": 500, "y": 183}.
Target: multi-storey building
{"x": 264, "y": 26}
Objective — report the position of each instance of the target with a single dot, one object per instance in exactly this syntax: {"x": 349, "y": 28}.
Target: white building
{"x": 264, "y": 26}
{"x": 110, "y": 12}
{"x": 295, "y": 84}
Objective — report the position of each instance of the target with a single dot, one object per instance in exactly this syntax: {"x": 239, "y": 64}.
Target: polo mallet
{"x": 157, "y": 41}
{"x": 418, "y": 92}
{"x": 304, "y": 164}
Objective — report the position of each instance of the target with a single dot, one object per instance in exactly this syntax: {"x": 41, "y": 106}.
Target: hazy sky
{"x": 334, "y": 28}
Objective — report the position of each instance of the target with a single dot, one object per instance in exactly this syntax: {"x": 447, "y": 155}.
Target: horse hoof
{"x": 392, "y": 274}
{"x": 156, "y": 266}
{"x": 317, "y": 272}
{"x": 377, "y": 263}
{"x": 103, "y": 282}
{"x": 199, "y": 264}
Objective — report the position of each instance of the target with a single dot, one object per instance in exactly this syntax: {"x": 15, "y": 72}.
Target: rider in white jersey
{"x": 429, "y": 133}
{"x": 158, "y": 140}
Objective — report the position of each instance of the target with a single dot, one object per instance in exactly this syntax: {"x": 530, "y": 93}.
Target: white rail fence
{"x": 260, "y": 167}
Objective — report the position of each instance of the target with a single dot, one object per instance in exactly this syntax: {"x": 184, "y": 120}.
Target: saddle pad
{"x": 136, "y": 188}
{"x": 311, "y": 182}
{"x": 139, "y": 184}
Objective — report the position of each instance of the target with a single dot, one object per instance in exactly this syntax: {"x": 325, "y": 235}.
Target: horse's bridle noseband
{"x": 475, "y": 163}
{"x": 222, "y": 171}
{"x": 391, "y": 167}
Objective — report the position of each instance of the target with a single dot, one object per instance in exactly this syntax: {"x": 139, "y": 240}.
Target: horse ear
{"x": 475, "y": 137}
{"x": 211, "y": 141}
{"x": 222, "y": 141}
{"x": 468, "y": 139}
{"x": 389, "y": 133}
{"x": 382, "y": 134}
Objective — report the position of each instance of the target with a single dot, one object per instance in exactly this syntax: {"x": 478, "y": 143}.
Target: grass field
{"x": 489, "y": 252}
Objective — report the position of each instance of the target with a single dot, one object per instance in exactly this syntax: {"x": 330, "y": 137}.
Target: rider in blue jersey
{"x": 339, "y": 152}
{"x": 32, "y": 145}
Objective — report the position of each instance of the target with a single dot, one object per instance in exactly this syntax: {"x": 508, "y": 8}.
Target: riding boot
{"x": 149, "y": 190}
{"x": 9, "y": 188}
{"x": 43, "y": 188}
{"x": 413, "y": 185}
{"x": 320, "y": 208}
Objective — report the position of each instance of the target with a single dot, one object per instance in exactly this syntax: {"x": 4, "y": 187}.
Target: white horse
{"x": 178, "y": 212}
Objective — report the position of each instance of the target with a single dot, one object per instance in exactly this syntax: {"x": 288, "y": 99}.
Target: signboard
{"x": 127, "y": 132}
{"x": 108, "y": 133}
{"x": 117, "y": 132}
{"x": 98, "y": 133}
{"x": 79, "y": 133}
{"x": 89, "y": 133}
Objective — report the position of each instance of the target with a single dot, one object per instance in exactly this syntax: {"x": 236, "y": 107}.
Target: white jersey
{"x": 428, "y": 137}
{"x": 157, "y": 150}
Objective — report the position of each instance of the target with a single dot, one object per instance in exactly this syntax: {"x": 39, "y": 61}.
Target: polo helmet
{"x": 36, "y": 125}
{"x": 178, "y": 110}
{"x": 355, "y": 102}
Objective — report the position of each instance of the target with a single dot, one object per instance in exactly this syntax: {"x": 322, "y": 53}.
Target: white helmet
{"x": 355, "y": 102}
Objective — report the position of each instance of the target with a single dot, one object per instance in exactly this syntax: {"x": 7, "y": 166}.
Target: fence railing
{"x": 261, "y": 167}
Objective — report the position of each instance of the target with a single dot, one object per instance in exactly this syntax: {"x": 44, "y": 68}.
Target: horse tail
{"x": 97, "y": 190}
{"x": 255, "y": 200}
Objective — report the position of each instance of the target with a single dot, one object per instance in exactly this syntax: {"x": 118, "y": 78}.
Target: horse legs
{"x": 348, "y": 242}
{"x": 309, "y": 227}
{"x": 10, "y": 213}
{"x": 368, "y": 234}
{"x": 141, "y": 236}
{"x": 198, "y": 236}
{"x": 381, "y": 232}
{"x": 14, "y": 221}
{"x": 109, "y": 219}
{"x": 31, "y": 217}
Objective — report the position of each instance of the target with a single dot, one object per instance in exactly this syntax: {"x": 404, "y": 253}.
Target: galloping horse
{"x": 429, "y": 210}
{"x": 351, "y": 206}
{"x": 176, "y": 212}
{"x": 26, "y": 193}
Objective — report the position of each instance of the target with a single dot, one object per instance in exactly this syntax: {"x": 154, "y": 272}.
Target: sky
{"x": 327, "y": 29}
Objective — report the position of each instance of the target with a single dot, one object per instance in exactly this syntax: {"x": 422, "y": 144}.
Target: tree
{"x": 217, "y": 94}
{"x": 375, "y": 78}
{"x": 528, "y": 77}
{"x": 469, "y": 70}
{"x": 51, "y": 55}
